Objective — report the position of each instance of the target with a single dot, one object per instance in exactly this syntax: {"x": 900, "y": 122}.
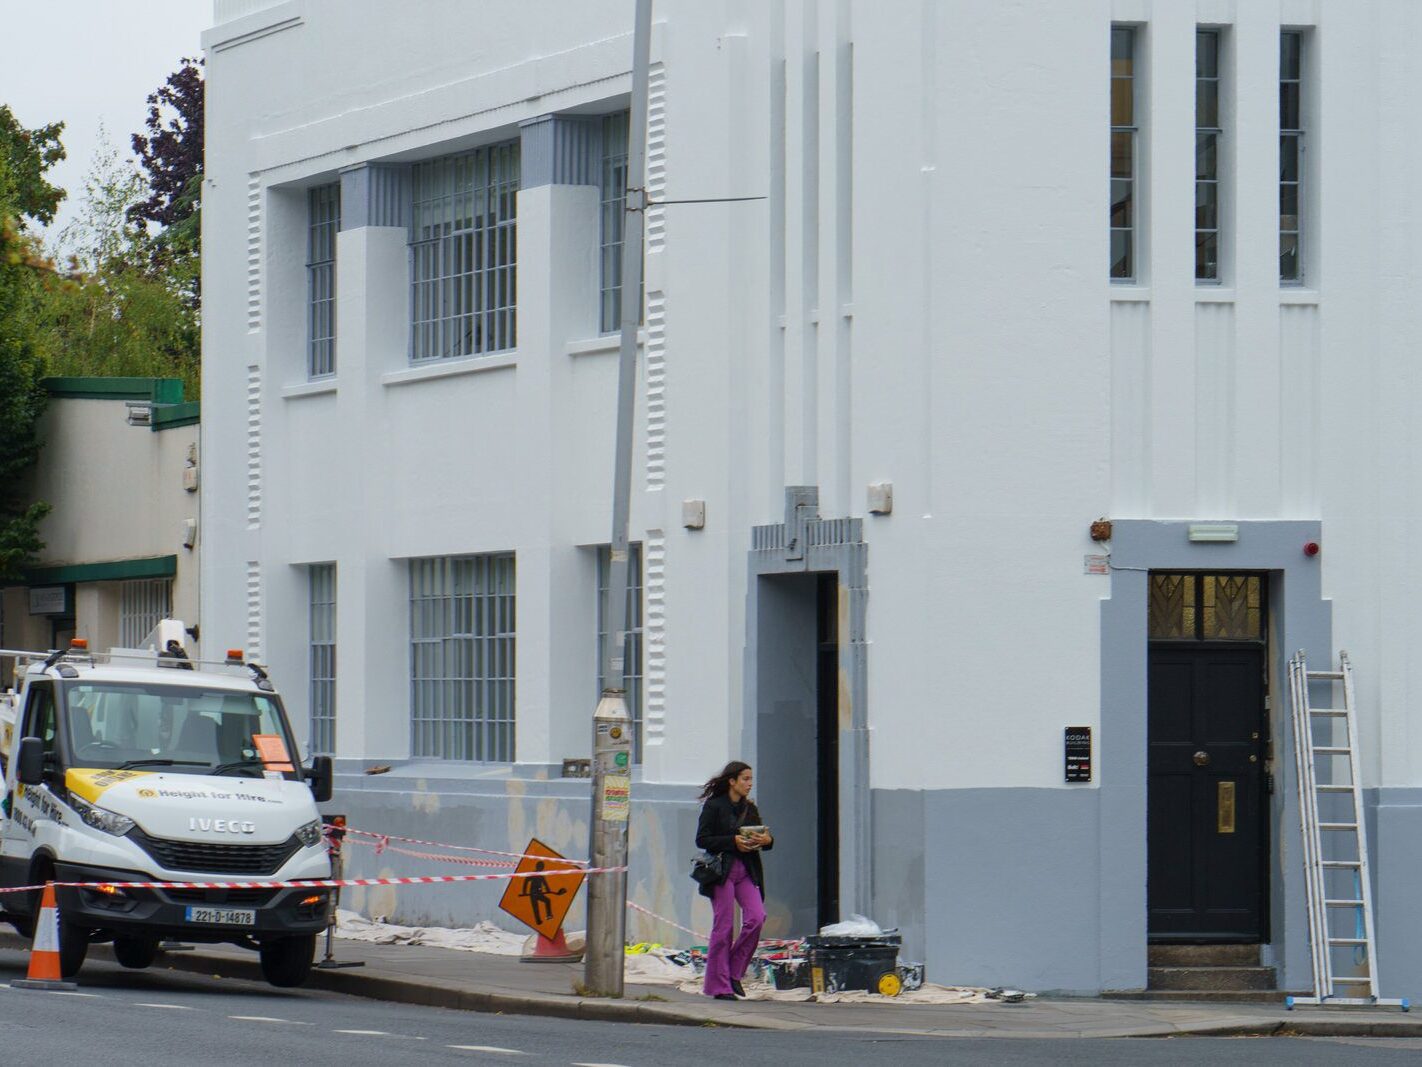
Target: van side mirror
{"x": 29, "y": 767}
{"x": 321, "y": 778}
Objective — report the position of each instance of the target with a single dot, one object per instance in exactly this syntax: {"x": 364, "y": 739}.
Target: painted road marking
{"x": 266, "y": 1019}
{"x": 490, "y": 1048}
{"x": 70, "y": 993}
{"x": 363, "y": 1033}
{"x": 174, "y": 1007}
{"x": 599, "y": 1065}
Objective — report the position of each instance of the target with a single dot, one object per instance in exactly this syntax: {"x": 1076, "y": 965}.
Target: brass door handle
{"x": 1201, "y": 758}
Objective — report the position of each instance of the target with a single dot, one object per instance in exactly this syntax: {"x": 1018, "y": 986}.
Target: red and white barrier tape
{"x": 314, "y": 883}
{"x": 467, "y": 860}
{"x": 382, "y": 842}
{"x": 669, "y": 922}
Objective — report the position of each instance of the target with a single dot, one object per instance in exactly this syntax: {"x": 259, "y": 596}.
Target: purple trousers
{"x": 728, "y": 958}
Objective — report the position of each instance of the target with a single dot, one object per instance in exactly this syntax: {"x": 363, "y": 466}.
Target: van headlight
{"x": 309, "y": 834}
{"x": 111, "y": 822}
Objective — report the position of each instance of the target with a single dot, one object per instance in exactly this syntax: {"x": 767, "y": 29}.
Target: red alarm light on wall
{"x": 1310, "y": 548}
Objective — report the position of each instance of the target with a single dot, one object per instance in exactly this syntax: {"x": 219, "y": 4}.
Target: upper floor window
{"x": 1123, "y": 153}
{"x": 1291, "y": 148}
{"x": 1208, "y": 134}
{"x": 463, "y": 245}
{"x": 613, "y": 186}
{"x": 323, "y": 223}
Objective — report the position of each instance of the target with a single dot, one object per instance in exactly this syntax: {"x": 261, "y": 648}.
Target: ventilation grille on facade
{"x": 254, "y": 252}
{"x": 656, "y": 156}
{"x": 654, "y": 638}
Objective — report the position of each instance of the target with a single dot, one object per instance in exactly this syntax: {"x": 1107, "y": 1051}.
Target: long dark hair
{"x": 720, "y": 784}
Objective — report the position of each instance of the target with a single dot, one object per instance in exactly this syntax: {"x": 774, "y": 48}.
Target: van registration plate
{"x": 223, "y": 916}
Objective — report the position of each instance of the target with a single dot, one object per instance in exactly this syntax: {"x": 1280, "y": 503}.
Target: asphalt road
{"x": 159, "y": 1017}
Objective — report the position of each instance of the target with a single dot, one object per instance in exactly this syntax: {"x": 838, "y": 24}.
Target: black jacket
{"x": 716, "y": 832}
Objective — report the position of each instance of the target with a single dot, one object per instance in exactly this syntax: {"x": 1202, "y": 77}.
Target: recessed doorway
{"x": 1207, "y": 831}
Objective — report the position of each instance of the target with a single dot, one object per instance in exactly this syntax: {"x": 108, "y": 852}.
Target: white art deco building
{"x": 1008, "y": 269}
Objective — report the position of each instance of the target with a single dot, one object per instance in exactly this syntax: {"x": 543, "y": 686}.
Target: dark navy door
{"x": 1206, "y": 787}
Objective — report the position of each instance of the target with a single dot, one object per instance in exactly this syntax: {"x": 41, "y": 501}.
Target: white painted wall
{"x": 922, "y": 299}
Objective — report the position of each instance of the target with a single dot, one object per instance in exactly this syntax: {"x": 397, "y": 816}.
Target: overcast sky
{"x": 87, "y": 62}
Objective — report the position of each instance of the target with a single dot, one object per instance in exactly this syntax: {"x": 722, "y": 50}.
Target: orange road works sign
{"x": 542, "y": 899}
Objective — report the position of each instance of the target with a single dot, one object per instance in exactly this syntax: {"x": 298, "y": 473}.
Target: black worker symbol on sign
{"x": 535, "y": 888}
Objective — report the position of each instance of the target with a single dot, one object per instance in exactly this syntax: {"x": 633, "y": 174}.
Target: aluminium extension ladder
{"x": 1342, "y": 941}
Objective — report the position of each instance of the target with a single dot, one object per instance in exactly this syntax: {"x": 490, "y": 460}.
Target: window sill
{"x": 1297, "y": 295}
{"x": 1131, "y": 294}
{"x": 1214, "y": 296}
{"x": 319, "y": 387}
{"x": 602, "y": 344}
{"x": 449, "y": 368}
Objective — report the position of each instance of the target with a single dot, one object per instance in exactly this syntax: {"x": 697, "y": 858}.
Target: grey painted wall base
{"x": 1395, "y": 848}
{"x": 503, "y": 813}
{"x": 992, "y": 886}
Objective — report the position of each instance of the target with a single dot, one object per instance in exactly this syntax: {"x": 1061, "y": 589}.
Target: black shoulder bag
{"x": 709, "y": 869}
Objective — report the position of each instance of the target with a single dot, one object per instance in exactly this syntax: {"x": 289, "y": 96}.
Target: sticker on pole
{"x": 616, "y": 800}
{"x": 541, "y": 900}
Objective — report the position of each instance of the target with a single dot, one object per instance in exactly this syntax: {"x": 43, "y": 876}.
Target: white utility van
{"x": 142, "y": 766}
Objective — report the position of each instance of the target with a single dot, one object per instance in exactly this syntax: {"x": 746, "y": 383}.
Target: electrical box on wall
{"x": 190, "y": 479}
{"x": 189, "y": 533}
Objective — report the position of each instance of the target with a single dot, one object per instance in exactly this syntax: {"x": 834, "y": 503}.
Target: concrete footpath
{"x": 472, "y": 981}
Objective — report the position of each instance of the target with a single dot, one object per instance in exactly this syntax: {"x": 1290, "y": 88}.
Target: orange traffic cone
{"x": 44, "y": 970}
{"x": 551, "y": 950}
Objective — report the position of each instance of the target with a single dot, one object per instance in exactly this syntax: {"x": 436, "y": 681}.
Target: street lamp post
{"x": 612, "y": 726}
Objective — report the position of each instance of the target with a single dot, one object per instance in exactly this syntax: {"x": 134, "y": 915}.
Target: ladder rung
{"x": 1323, "y": 675}
{"x": 1334, "y": 788}
{"x": 1327, "y": 711}
{"x": 1355, "y": 981}
{"x": 1344, "y": 903}
{"x": 1331, "y": 750}
{"x": 1347, "y": 940}
{"x": 1337, "y": 826}
{"x": 1341, "y": 863}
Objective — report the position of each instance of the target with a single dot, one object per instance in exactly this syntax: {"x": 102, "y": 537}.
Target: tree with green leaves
{"x": 128, "y": 308}
{"x": 27, "y": 199}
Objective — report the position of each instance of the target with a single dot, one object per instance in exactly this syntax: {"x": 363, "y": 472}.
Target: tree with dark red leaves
{"x": 171, "y": 154}
{"x": 171, "y": 151}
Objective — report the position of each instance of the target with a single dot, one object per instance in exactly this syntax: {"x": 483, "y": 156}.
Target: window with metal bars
{"x": 614, "y": 206}
{"x": 462, "y": 648}
{"x": 632, "y": 651}
{"x": 1291, "y": 148}
{"x": 1123, "y": 154}
{"x": 1208, "y": 135}
{"x": 324, "y": 222}
{"x": 142, "y": 605}
{"x": 322, "y": 578}
{"x": 463, "y": 254}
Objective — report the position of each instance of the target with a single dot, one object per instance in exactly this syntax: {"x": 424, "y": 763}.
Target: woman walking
{"x": 730, "y": 825}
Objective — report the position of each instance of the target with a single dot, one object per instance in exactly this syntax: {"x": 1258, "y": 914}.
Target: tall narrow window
{"x": 142, "y": 605}
{"x": 1290, "y": 156}
{"x": 614, "y": 204}
{"x": 463, "y": 254}
{"x": 462, "y": 647}
{"x": 632, "y": 652}
{"x": 323, "y": 658}
{"x": 1207, "y": 155}
{"x": 1123, "y": 153}
{"x": 324, "y": 222}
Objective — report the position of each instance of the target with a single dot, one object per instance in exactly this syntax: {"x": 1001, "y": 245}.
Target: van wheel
{"x": 73, "y": 947}
{"x": 287, "y": 962}
{"x": 135, "y": 952}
